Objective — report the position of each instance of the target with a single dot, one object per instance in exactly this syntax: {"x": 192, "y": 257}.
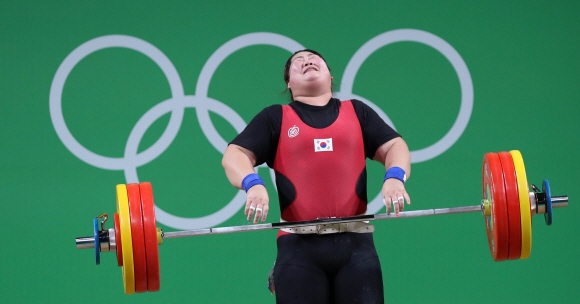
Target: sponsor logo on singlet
{"x": 323, "y": 144}
{"x": 293, "y": 132}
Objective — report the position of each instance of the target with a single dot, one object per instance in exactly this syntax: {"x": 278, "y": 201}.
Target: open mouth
{"x": 311, "y": 68}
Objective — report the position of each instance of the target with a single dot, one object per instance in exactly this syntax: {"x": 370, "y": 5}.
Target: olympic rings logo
{"x": 203, "y": 104}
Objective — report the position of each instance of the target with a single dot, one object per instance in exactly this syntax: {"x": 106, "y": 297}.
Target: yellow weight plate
{"x": 126, "y": 240}
{"x": 525, "y": 210}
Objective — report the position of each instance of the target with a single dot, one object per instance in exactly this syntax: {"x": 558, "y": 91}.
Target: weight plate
{"x": 513, "y": 204}
{"x": 96, "y": 240}
{"x": 548, "y": 193}
{"x": 126, "y": 240}
{"x": 526, "y": 213}
{"x": 139, "y": 258}
{"x": 151, "y": 241}
{"x": 494, "y": 192}
{"x": 119, "y": 249}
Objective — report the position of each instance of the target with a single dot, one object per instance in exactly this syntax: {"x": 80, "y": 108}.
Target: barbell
{"x": 507, "y": 206}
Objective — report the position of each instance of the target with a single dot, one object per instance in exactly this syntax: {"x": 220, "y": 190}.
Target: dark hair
{"x": 287, "y": 68}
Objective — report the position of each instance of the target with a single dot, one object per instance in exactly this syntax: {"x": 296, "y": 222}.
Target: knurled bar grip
{"x": 86, "y": 242}
{"x": 370, "y": 217}
{"x": 557, "y": 201}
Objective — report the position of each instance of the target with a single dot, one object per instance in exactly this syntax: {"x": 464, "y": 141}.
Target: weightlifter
{"x": 317, "y": 146}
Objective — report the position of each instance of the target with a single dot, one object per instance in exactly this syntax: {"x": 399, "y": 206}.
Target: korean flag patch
{"x": 323, "y": 144}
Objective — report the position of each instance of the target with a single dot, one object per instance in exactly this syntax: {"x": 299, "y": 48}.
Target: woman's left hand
{"x": 394, "y": 193}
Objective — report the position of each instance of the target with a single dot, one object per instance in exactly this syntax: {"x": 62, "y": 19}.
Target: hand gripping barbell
{"x": 507, "y": 207}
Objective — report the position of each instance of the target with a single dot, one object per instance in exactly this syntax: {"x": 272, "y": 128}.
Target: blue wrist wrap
{"x": 396, "y": 172}
{"x": 251, "y": 180}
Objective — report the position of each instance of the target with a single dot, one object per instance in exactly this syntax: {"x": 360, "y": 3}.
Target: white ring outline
{"x": 55, "y": 100}
{"x": 456, "y": 61}
{"x": 203, "y": 104}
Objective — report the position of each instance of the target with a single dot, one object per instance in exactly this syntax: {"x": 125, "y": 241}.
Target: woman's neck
{"x": 319, "y": 100}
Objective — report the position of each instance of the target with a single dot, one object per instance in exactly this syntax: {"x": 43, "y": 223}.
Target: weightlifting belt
{"x": 356, "y": 227}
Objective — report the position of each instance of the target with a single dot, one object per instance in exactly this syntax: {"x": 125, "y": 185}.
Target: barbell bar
{"x": 507, "y": 207}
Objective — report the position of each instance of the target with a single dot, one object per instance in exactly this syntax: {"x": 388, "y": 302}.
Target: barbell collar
{"x": 107, "y": 241}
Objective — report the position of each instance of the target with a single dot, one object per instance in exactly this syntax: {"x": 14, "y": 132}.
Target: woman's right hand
{"x": 257, "y": 203}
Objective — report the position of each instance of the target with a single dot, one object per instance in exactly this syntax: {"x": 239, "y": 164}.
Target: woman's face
{"x": 307, "y": 70}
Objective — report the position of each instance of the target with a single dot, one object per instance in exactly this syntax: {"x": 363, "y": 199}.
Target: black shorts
{"x": 329, "y": 268}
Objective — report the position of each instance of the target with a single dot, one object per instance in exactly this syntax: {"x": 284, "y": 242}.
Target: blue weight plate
{"x": 97, "y": 243}
{"x": 548, "y": 193}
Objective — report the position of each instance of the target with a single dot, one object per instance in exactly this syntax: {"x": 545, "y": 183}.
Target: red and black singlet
{"x": 320, "y": 171}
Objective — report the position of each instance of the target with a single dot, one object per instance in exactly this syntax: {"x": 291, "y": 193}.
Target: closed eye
{"x": 301, "y": 57}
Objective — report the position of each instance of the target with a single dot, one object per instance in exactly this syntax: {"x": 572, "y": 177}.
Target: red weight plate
{"x": 139, "y": 257}
{"x": 513, "y": 205}
{"x": 118, "y": 240}
{"x": 494, "y": 192}
{"x": 151, "y": 244}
